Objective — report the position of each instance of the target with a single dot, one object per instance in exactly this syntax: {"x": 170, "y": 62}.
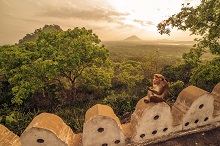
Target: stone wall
{"x": 195, "y": 110}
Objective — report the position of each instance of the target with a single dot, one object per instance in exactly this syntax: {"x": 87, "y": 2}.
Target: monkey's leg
{"x": 147, "y": 100}
{"x": 156, "y": 99}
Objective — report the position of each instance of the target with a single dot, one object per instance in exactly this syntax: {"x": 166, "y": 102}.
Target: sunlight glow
{"x": 109, "y": 19}
{"x": 146, "y": 14}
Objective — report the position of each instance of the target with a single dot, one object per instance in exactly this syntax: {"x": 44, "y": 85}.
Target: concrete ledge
{"x": 216, "y": 92}
{"x": 102, "y": 127}
{"x": 47, "y": 129}
{"x": 151, "y": 120}
{"x": 7, "y": 138}
{"x": 176, "y": 135}
{"x": 193, "y": 107}
{"x": 195, "y": 110}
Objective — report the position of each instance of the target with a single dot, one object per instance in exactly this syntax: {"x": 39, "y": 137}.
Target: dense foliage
{"x": 52, "y": 69}
{"x": 204, "y": 21}
{"x": 62, "y": 60}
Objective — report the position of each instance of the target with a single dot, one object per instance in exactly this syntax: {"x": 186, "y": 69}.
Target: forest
{"x": 67, "y": 72}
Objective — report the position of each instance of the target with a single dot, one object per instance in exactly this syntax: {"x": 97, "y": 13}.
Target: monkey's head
{"x": 158, "y": 78}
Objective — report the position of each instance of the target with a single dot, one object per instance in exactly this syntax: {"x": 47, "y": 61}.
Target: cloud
{"x": 74, "y": 12}
{"x": 143, "y": 23}
{"x": 124, "y": 26}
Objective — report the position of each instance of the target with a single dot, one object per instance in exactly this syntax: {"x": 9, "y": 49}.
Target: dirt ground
{"x": 207, "y": 138}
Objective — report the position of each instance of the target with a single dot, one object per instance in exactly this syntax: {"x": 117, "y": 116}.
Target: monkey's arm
{"x": 156, "y": 92}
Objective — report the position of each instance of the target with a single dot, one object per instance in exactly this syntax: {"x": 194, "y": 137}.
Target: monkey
{"x": 159, "y": 89}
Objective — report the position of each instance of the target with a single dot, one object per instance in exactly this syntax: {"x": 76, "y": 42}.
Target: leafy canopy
{"x": 60, "y": 58}
{"x": 207, "y": 75}
{"x": 203, "y": 20}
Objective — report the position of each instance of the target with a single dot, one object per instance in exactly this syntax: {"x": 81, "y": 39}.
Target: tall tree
{"x": 127, "y": 75}
{"x": 203, "y": 20}
{"x": 60, "y": 58}
{"x": 207, "y": 75}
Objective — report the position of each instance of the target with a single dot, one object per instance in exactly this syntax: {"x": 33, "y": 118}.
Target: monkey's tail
{"x": 170, "y": 100}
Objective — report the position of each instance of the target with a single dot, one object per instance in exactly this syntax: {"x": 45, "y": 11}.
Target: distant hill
{"x": 133, "y": 38}
{"x": 33, "y": 36}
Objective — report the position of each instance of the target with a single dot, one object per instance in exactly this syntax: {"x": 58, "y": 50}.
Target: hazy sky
{"x": 109, "y": 19}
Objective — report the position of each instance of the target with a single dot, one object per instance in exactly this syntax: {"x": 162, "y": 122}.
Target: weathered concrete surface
{"x": 47, "y": 129}
{"x": 193, "y": 107}
{"x": 102, "y": 127}
{"x": 195, "y": 111}
{"x": 8, "y": 138}
{"x": 207, "y": 138}
{"x": 181, "y": 137}
{"x": 216, "y": 92}
{"x": 151, "y": 120}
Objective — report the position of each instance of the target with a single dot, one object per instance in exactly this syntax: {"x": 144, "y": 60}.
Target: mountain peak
{"x": 133, "y": 38}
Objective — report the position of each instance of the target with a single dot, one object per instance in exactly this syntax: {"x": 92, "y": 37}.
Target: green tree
{"x": 175, "y": 89}
{"x": 203, "y": 20}
{"x": 207, "y": 75}
{"x": 60, "y": 58}
{"x": 11, "y": 58}
{"x": 193, "y": 57}
{"x": 152, "y": 63}
{"x": 127, "y": 75}
{"x": 176, "y": 72}
{"x": 96, "y": 80}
